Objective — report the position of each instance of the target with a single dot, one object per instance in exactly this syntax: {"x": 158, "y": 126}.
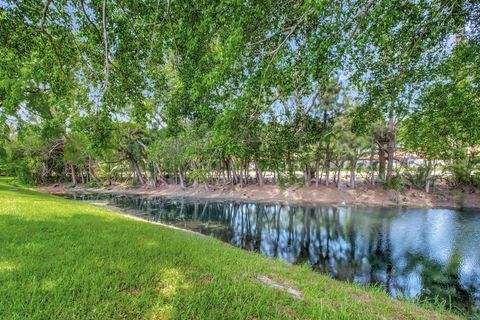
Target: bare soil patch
{"x": 308, "y": 196}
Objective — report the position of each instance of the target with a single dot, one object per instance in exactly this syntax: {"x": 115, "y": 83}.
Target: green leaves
{"x": 446, "y": 120}
{"x": 263, "y": 81}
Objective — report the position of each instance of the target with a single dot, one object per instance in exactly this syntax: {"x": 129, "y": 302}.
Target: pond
{"x": 421, "y": 254}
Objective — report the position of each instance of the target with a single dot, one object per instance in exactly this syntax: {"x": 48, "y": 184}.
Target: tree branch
{"x": 44, "y": 13}
{"x": 105, "y": 43}
{"x": 82, "y": 5}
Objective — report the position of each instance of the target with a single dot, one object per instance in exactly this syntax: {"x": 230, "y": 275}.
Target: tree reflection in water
{"x": 421, "y": 254}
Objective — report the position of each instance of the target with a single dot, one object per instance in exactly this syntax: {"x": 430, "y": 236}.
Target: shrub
{"x": 476, "y": 180}
{"x": 91, "y": 184}
{"x": 461, "y": 173}
{"x": 395, "y": 183}
{"x": 419, "y": 177}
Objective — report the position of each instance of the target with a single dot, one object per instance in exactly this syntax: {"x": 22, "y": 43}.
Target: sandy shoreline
{"x": 309, "y": 196}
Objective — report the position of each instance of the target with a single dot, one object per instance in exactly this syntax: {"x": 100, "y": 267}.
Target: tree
{"x": 208, "y": 91}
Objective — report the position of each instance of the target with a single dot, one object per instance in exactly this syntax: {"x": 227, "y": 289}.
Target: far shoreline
{"x": 301, "y": 196}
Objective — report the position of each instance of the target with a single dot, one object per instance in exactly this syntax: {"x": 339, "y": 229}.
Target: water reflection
{"x": 422, "y": 254}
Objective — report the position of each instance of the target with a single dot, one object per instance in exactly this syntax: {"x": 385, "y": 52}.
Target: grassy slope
{"x": 64, "y": 259}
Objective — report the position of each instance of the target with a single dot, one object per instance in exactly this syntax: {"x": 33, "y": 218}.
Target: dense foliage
{"x": 237, "y": 92}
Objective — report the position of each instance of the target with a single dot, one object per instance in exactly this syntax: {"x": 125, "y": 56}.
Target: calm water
{"x": 421, "y": 254}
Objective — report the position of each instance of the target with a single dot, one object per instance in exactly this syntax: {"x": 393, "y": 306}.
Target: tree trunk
{"x": 246, "y": 172}
{"x": 339, "y": 172}
{"x": 307, "y": 176}
{"x": 195, "y": 179}
{"x": 372, "y": 172}
{"x": 91, "y": 170}
{"x": 72, "y": 173}
{"x": 182, "y": 180}
{"x": 317, "y": 172}
{"x": 427, "y": 183}
{"x": 335, "y": 174}
{"x": 381, "y": 161}
{"x": 353, "y": 168}
{"x": 259, "y": 174}
{"x": 154, "y": 174}
{"x": 391, "y": 147}
{"x": 327, "y": 164}
{"x": 159, "y": 174}
{"x": 208, "y": 176}
{"x": 222, "y": 168}
{"x": 227, "y": 168}
{"x": 138, "y": 172}
{"x": 81, "y": 175}
{"x": 234, "y": 173}
{"x": 327, "y": 171}
{"x": 241, "y": 174}
{"x": 289, "y": 166}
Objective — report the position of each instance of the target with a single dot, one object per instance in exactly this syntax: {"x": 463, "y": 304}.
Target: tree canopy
{"x": 202, "y": 92}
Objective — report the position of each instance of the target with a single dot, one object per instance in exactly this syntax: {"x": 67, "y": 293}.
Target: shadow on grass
{"x": 9, "y": 188}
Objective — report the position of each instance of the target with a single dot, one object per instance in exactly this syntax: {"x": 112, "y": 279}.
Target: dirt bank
{"x": 297, "y": 195}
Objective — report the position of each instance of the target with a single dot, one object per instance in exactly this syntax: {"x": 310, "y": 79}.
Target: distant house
{"x": 471, "y": 151}
{"x": 401, "y": 158}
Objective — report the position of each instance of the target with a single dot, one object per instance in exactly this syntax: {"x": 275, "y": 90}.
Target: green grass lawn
{"x": 61, "y": 259}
